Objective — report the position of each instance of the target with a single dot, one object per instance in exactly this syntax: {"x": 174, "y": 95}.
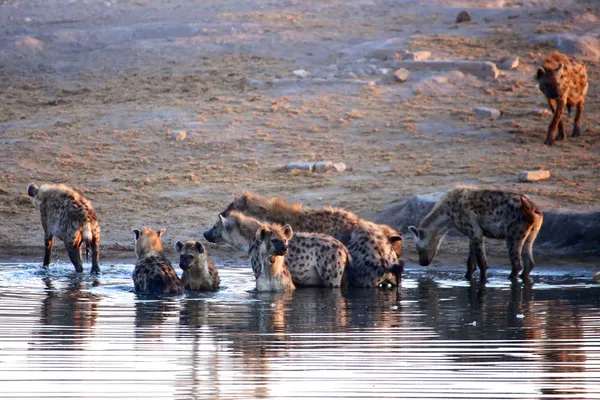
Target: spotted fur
{"x": 564, "y": 82}
{"x": 153, "y": 273}
{"x": 479, "y": 213}
{"x": 199, "y": 273}
{"x": 69, "y": 216}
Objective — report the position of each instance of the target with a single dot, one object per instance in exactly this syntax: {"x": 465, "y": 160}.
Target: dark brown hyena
{"x": 313, "y": 259}
{"x": 199, "y": 273}
{"x": 70, "y": 217}
{"x": 479, "y": 213}
{"x": 153, "y": 273}
{"x": 563, "y": 80}
{"x": 375, "y": 249}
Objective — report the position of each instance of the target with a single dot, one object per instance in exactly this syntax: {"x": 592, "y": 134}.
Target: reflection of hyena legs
{"x": 48, "y": 242}
{"x": 75, "y": 256}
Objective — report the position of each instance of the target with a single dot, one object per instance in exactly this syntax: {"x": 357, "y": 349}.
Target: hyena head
{"x": 239, "y": 203}
{"x": 148, "y": 241}
{"x": 395, "y": 239}
{"x": 32, "y": 191}
{"x": 228, "y": 230}
{"x": 549, "y": 80}
{"x": 191, "y": 253}
{"x": 274, "y": 240}
{"x": 427, "y": 247}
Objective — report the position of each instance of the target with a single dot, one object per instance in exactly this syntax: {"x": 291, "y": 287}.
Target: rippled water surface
{"x": 69, "y": 336}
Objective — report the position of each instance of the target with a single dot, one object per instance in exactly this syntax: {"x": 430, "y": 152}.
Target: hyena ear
{"x": 199, "y": 247}
{"x": 222, "y": 219}
{"x": 161, "y": 233}
{"x": 136, "y": 232}
{"x": 178, "y": 246}
{"x": 414, "y": 231}
{"x": 540, "y": 72}
{"x": 288, "y": 232}
{"x": 395, "y": 238}
{"x": 32, "y": 190}
{"x": 261, "y": 233}
{"x": 560, "y": 66}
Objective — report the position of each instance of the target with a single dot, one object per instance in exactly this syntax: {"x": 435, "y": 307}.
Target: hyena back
{"x": 199, "y": 273}
{"x": 70, "y": 217}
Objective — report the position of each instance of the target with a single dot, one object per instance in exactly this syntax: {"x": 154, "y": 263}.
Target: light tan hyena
{"x": 563, "y": 80}
{"x": 313, "y": 259}
{"x": 479, "y": 213}
{"x": 375, "y": 249}
{"x": 70, "y": 217}
{"x": 153, "y": 273}
{"x": 199, "y": 273}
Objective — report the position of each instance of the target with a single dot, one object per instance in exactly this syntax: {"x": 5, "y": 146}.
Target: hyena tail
{"x": 530, "y": 211}
{"x": 87, "y": 238}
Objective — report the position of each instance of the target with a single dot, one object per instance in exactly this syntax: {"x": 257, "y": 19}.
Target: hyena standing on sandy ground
{"x": 564, "y": 82}
{"x": 199, "y": 273}
{"x": 375, "y": 249}
{"x": 70, "y": 217}
{"x": 479, "y": 213}
{"x": 313, "y": 259}
{"x": 153, "y": 273}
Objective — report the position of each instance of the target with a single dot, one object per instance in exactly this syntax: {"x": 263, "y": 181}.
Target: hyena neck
{"x": 437, "y": 223}
{"x": 274, "y": 265}
{"x": 152, "y": 252}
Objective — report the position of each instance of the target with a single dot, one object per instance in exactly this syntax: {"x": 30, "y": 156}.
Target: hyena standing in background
{"x": 153, "y": 273}
{"x": 70, "y": 217}
{"x": 564, "y": 83}
{"x": 199, "y": 273}
{"x": 479, "y": 213}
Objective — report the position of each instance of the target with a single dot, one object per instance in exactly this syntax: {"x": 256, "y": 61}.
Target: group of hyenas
{"x": 290, "y": 245}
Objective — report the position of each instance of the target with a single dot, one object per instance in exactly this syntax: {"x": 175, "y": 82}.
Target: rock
{"x": 178, "y": 135}
{"x": 418, "y": 56}
{"x": 384, "y": 71}
{"x": 31, "y": 43}
{"x": 585, "y": 47}
{"x": 509, "y": 63}
{"x": 481, "y": 69}
{"x": 352, "y": 75}
{"x": 303, "y": 166}
{"x": 487, "y": 112}
{"x": 300, "y": 73}
{"x": 463, "y": 16}
{"x": 541, "y": 112}
{"x": 323, "y": 166}
{"x": 401, "y": 75}
{"x": 339, "y": 167}
{"x": 532, "y": 176}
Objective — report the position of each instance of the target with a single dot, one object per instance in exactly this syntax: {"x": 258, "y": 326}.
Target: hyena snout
{"x": 186, "y": 261}
{"x": 210, "y": 235}
{"x": 280, "y": 247}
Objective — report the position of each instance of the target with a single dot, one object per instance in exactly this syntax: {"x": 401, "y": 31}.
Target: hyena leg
{"x": 48, "y": 242}
{"x": 528, "y": 249}
{"x": 558, "y": 114}
{"x": 75, "y": 256}
{"x": 471, "y": 263}
{"x": 478, "y": 247}
{"x": 552, "y": 104}
{"x": 561, "y": 124}
{"x": 95, "y": 245}
{"x": 577, "y": 127}
{"x": 515, "y": 245}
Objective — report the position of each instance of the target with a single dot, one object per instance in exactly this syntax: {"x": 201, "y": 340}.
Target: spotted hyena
{"x": 199, "y": 273}
{"x": 563, "y": 80}
{"x": 153, "y": 273}
{"x": 479, "y": 213}
{"x": 313, "y": 259}
{"x": 375, "y": 249}
{"x": 70, "y": 217}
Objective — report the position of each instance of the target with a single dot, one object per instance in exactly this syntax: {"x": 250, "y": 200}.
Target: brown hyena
{"x": 153, "y": 273}
{"x": 563, "y": 80}
{"x": 479, "y": 213}
{"x": 199, "y": 273}
{"x": 70, "y": 217}
{"x": 313, "y": 259}
{"x": 375, "y": 249}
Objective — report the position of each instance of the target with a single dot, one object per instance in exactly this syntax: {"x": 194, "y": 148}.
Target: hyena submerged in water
{"x": 375, "y": 249}
{"x": 479, "y": 213}
{"x": 199, "y": 273}
{"x": 70, "y": 217}
{"x": 153, "y": 273}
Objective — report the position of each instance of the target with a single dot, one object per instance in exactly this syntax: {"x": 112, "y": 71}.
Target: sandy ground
{"x": 91, "y": 91}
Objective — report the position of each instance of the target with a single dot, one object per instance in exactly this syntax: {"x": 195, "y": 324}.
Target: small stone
{"x": 520, "y": 316}
{"x": 178, "y": 135}
{"x": 541, "y": 112}
{"x": 487, "y": 112}
{"x": 339, "y": 167}
{"x": 147, "y": 181}
{"x": 323, "y": 166}
{"x": 401, "y": 75}
{"x": 300, "y": 73}
{"x": 384, "y": 71}
{"x": 463, "y": 16}
{"x": 532, "y": 176}
{"x": 300, "y": 165}
{"x": 509, "y": 63}
{"x": 351, "y": 75}
{"x": 418, "y": 56}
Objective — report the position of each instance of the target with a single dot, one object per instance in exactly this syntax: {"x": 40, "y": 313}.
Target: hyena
{"x": 199, "y": 273}
{"x": 563, "y": 80}
{"x": 479, "y": 213}
{"x": 70, "y": 217}
{"x": 313, "y": 259}
{"x": 375, "y": 249}
{"x": 153, "y": 273}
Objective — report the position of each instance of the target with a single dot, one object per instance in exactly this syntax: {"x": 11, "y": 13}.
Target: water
{"x": 69, "y": 336}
